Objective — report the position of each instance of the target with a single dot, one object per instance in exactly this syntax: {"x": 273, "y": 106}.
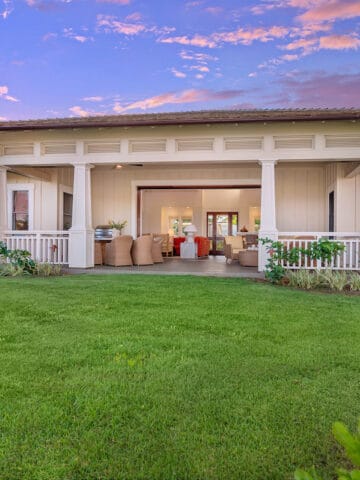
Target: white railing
{"x": 44, "y": 246}
{"x": 348, "y": 259}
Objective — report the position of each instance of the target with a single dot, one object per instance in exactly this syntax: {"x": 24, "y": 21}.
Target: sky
{"x": 63, "y": 58}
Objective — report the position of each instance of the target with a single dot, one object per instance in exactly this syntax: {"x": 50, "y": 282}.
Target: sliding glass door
{"x": 220, "y": 225}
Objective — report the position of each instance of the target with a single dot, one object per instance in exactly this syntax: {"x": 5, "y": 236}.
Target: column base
{"x": 81, "y": 249}
{"x": 263, "y": 255}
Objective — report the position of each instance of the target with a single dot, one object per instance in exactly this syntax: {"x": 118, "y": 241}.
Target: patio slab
{"x": 206, "y": 267}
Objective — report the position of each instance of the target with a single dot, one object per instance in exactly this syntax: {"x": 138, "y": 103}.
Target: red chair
{"x": 177, "y": 242}
{"x": 203, "y": 244}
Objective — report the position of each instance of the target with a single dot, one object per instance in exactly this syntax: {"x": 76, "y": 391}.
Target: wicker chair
{"x": 142, "y": 250}
{"x": 117, "y": 252}
{"x": 167, "y": 246}
{"x": 156, "y": 250}
{"x": 98, "y": 254}
{"x": 232, "y": 247}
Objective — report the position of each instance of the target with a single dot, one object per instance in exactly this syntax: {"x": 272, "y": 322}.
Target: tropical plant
{"x": 18, "y": 258}
{"x": 47, "y": 270}
{"x": 334, "y": 280}
{"x": 351, "y": 443}
{"x": 118, "y": 225}
{"x": 304, "y": 279}
{"x": 354, "y": 282}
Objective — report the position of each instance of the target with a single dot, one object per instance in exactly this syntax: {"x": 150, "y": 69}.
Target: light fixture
{"x": 118, "y": 166}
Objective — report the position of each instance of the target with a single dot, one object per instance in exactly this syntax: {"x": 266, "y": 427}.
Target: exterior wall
{"x": 300, "y": 191}
{"x": 347, "y": 201}
{"x": 300, "y": 198}
{"x": 47, "y": 196}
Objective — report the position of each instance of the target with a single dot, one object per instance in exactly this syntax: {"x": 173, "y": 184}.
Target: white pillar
{"x": 268, "y": 208}
{"x": 81, "y": 243}
{"x": 3, "y": 201}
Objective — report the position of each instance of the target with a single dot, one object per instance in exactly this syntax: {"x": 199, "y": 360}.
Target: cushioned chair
{"x": 156, "y": 250}
{"x": 177, "y": 242}
{"x": 232, "y": 247}
{"x": 117, "y": 252}
{"x": 248, "y": 258}
{"x": 142, "y": 250}
{"x": 167, "y": 246}
{"x": 203, "y": 244}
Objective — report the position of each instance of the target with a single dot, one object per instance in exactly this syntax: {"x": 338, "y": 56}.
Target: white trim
{"x": 14, "y": 187}
{"x": 179, "y": 183}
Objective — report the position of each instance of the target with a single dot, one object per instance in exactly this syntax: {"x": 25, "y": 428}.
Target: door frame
{"x": 213, "y": 237}
{"x": 138, "y": 185}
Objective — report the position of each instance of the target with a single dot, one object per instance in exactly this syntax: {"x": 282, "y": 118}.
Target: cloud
{"x": 117, "y": 2}
{"x": 134, "y": 17}
{"x": 49, "y": 36}
{"x": 200, "y": 68}
{"x": 177, "y": 73}
{"x": 79, "y": 111}
{"x": 235, "y": 37}
{"x": 319, "y": 90}
{"x": 3, "y": 119}
{"x": 4, "y": 93}
{"x": 47, "y": 5}
{"x": 339, "y": 42}
{"x": 197, "y": 57}
{"x": 93, "y": 99}
{"x": 331, "y": 10}
{"x": 184, "y": 97}
{"x": 68, "y": 33}
{"x": 195, "y": 41}
{"x": 110, "y": 23}
{"x": 8, "y": 8}
{"x": 214, "y": 10}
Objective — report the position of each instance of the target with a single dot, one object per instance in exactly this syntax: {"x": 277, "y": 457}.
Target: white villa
{"x": 289, "y": 173}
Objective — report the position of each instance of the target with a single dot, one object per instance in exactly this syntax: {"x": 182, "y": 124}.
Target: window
{"x": 20, "y": 206}
{"x": 177, "y": 224}
{"x": 20, "y": 210}
{"x": 67, "y": 210}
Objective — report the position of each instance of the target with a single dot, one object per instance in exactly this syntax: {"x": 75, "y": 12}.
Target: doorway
{"x": 219, "y": 226}
{"x": 331, "y": 211}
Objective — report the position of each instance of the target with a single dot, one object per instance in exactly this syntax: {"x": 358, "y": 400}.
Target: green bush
{"x": 304, "y": 279}
{"x": 9, "y": 270}
{"x": 351, "y": 444}
{"x": 18, "y": 259}
{"x": 47, "y": 270}
{"x": 334, "y": 280}
{"x": 354, "y": 282}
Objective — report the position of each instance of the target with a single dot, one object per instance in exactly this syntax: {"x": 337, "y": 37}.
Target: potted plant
{"x": 117, "y": 227}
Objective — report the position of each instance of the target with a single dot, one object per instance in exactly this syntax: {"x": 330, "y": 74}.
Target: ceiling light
{"x": 118, "y": 166}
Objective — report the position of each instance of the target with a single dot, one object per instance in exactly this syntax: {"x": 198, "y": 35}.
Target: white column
{"x": 268, "y": 208}
{"x": 81, "y": 242}
{"x": 3, "y": 201}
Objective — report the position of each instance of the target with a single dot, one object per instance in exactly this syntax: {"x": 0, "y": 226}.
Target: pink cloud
{"x": 195, "y": 41}
{"x": 339, "y": 42}
{"x": 184, "y": 97}
{"x": 110, "y": 23}
{"x": 319, "y": 90}
{"x": 177, "y": 73}
{"x": 331, "y": 10}
{"x": 214, "y": 10}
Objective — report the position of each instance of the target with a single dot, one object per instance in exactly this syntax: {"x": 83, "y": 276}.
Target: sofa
{"x": 203, "y": 245}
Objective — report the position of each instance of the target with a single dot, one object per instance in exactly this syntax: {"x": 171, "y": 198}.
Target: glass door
{"x": 220, "y": 225}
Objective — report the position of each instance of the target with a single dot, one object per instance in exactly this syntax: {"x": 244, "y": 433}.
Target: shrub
{"x": 18, "y": 258}
{"x": 334, "y": 280}
{"x": 9, "y": 270}
{"x": 47, "y": 270}
{"x": 354, "y": 282}
{"x": 351, "y": 444}
{"x": 305, "y": 279}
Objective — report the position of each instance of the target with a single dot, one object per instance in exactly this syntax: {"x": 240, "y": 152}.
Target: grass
{"x": 139, "y": 377}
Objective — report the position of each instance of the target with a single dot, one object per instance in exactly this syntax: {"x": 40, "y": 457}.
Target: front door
{"x": 220, "y": 225}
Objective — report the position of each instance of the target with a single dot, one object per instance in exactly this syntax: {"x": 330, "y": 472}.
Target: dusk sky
{"x": 61, "y": 58}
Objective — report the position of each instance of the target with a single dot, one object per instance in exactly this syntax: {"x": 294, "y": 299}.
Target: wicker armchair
{"x": 232, "y": 247}
{"x": 167, "y": 246}
{"x": 142, "y": 250}
{"x": 117, "y": 252}
{"x": 98, "y": 260}
{"x": 156, "y": 250}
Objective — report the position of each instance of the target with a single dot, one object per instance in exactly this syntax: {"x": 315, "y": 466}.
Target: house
{"x": 289, "y": 172}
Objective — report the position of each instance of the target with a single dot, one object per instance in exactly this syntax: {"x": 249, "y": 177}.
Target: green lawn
{"x": 148, "y": 377}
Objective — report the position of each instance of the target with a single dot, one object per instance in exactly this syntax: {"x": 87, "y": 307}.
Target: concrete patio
{"x": 206, "y": 267}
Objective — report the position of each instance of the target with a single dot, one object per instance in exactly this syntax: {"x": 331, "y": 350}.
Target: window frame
{"x": 20, "y": 187}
